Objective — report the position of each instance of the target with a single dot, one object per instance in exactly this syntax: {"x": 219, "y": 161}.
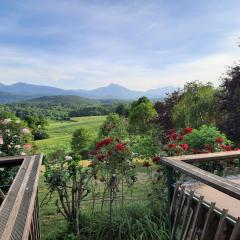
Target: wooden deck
{"x": 201, "y": 213}
{"x": 19, "y": 216}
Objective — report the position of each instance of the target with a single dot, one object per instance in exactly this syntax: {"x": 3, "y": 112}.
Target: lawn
{"x": 60, "y": 132}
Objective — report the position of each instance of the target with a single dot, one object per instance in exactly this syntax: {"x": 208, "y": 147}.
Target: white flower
{"x": 68, "y": 158}
{"x": 25, "y": 131}
{"x": 22, "y": 153}
{"x": 17, "y": 146}
{"x": 6, "y": 121}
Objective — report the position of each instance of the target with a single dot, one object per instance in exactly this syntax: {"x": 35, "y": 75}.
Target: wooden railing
{"x": 19, "y": 212}
{"x": 202, "y": 212}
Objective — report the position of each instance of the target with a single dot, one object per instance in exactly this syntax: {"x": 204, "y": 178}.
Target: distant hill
{"x": 6, "y": 97}
{"x": 112, "y": 91}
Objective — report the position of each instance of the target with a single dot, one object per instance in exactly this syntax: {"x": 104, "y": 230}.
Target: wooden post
{"x": 170, "y": 195}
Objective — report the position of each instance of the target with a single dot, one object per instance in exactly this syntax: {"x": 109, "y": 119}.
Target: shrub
{"x": 81, "y": 139}
{"x": 13, "y": 141}
{"x": 13, "y": 136}
{"x": 65, "y": 176}
{"x": 114, "y": 126}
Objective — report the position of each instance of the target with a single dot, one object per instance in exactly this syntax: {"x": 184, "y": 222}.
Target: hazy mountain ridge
{"x": 112, "y": 91}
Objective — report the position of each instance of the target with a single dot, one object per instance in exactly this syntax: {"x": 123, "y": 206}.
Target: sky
{"x": 140, "y": 44}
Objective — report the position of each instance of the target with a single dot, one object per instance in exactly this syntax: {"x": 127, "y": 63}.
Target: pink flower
{"x": 1, "y": 140}
{"x": 27, "y": 146}
{"x": 25, "y": 131}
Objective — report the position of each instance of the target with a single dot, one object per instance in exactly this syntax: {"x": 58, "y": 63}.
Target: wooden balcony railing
{"x": 190, "y": 215}
{"x": 19, "y": 212}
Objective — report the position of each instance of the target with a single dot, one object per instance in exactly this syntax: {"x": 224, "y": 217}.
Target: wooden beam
{"x": 16, "y": 211}
{"x": 11, "y": 161}
{"x": 223, "y": 185}
{"x": 207, "y": 157}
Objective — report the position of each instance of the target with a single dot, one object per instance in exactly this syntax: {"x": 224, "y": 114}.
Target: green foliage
{"x": 80, "y": 140}
{"x": 134, "y": 222}
{"x": 141, "y": 112}
{"x": 62, "y": 107}
{"x": 66, "y": 177}
{"x": 146, "y": 145}
{"x": 60, "y": 132}
{"x": 6, "y": 114}
{"x": 196, "y": 106}
{"x": 123, "y": 110}
{"x": 13, "y": 136}
{"x": 205, "y": 135}
{"x": 115, "y": 126}
{"x": 164, "y": 110}
{"x": 228, "y": 104}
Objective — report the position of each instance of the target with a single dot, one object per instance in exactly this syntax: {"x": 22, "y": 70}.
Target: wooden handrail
{"x": 180, "y": 163}
{"x": 204, "y": 157}
{"x": 19, "y": 210}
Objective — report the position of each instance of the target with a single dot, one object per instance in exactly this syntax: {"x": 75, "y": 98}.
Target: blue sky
{"x": 140, "y": 44}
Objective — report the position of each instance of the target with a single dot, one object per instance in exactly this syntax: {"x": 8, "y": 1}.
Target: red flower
{"x": 171, "y": 145}
{"x": 199, "y": 151}
{"x": 226, "y": 147}
{"x": 180, "y": 137}
{"x": 120, "y": 147}
{"x": 219, "y": 140}
{"x": 192, "y": 150}
{"x": 110, "y": 153}
{"x": 184, "y": 146}
{"x": 95, "y": 174}
{"x": 172, "y": 135}
{"x": 188, "y": 130}
{"x": 156, "y": 160}
{"x": 100, "y": 157}
{"x": 146, "y": 164}
{"x": 104, "y": 142}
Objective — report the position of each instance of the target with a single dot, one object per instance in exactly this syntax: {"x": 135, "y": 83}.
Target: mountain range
{"x": 23, "y": 91}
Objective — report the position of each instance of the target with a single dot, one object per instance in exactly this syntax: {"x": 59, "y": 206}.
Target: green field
{"x": 61, "y": 131}
{"x": 60, "y": 136}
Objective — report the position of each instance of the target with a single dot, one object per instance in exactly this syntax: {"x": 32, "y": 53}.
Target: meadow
{"x": 60, "y": 132}
{"x": 53, "y": 225}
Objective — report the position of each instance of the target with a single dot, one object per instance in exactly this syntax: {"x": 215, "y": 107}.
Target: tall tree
{"x": 196, "y": 106}
{"x": 229, "y": 104}
{"x": 141, "y": 113}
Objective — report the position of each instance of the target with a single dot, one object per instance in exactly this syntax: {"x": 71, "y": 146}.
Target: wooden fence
{"x": 19, "y": 212}
{"x": 190, "y": 216}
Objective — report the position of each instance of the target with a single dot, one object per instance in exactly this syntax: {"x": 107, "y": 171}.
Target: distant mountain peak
{"x": 112, "y": 91}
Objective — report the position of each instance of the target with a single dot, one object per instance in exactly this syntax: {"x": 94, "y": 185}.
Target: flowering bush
{"x": 196, "y": 141}
{"x": 112, "y": 165}
{"x": 112, "y": 155}
{"x": 70, "y": 180}
{"x": 13, "y": 138}
{"x": 13, "y": 141}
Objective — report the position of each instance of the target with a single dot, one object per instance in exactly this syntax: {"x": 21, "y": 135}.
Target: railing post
{"x": 170, "y": 194}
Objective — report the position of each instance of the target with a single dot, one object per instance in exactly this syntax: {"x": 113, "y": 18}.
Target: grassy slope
{"x": 60, "y": 135}
{"x": 60, "y": 132}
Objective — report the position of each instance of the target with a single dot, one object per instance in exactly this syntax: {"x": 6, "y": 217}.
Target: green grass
{"x": 60, "y": 132}
{"x": 53, "y": 225}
